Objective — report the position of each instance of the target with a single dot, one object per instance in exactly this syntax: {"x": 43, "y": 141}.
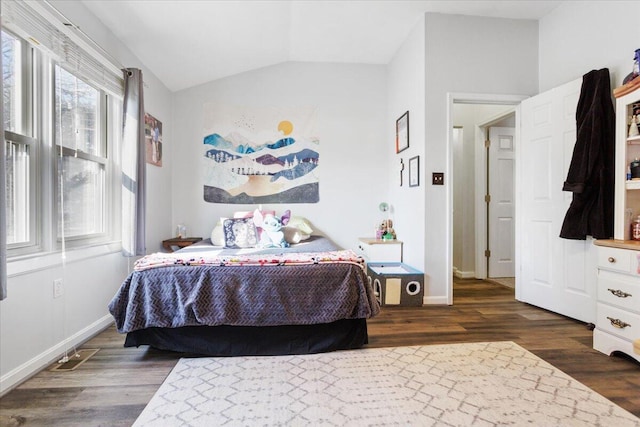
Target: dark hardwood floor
{"x": 113, "y": 387}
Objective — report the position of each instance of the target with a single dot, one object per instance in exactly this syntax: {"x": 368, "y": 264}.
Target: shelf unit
{"x": 627, "y": 196}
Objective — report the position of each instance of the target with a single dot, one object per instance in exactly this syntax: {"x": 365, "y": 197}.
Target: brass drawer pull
{"x": 618, "y": 323}
{"x": 611, "y": 259}
{"x": 619, "y": 293}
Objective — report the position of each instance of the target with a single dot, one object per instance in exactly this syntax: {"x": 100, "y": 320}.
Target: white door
{"x": 502, "y": 202}
{"x": 556, "y": 274}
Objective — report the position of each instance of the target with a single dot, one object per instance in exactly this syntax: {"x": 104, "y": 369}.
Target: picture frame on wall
{"x": 414, "y": 171}
{"x": 402, "y": 133}
{"x": 153, "y": 140}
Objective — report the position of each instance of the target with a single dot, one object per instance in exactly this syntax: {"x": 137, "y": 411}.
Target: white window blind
{"x": 46, "y": 29}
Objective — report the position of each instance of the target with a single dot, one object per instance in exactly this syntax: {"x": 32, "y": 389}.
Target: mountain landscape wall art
{"x": 256, "y": 155}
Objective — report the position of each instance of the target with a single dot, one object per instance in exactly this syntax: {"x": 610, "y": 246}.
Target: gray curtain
{"x": 133, "y": 166}
{"x": 3, "y": 200}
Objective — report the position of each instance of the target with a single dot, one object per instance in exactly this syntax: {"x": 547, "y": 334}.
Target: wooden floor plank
{"x": 113, "y": 386}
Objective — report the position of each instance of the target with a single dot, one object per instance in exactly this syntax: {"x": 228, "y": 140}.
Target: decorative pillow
{"x": 246, "y": 214}
{"x": 217, "y": 235}
{"x": 301, "y": 224}
{"x": 293, "y": 235}
{"x": 242, "y": 214}
{"x": 270, "y": 230}
{"x": 239, "y": 233}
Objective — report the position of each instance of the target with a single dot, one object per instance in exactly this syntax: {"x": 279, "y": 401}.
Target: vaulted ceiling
{"x": 190, "y": 42}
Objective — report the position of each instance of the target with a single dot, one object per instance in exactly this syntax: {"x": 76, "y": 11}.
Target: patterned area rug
{"x": 477, "y": 384}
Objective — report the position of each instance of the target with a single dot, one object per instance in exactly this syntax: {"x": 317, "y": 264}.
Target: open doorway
{"x": 477, "y": 226}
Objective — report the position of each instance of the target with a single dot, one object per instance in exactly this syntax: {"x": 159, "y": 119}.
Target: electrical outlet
{"x": 58, "y": 289}
{"x": 437, "y": 178}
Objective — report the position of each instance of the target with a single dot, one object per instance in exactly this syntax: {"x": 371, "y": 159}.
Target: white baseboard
{"x": 25, "y": 371}
{"x": 464, "y": 274}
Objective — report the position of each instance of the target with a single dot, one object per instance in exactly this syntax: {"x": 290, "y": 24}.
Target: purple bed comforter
{"x": 177, "y": 295}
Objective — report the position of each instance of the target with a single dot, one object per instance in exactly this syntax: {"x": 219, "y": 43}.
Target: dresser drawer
{"x": 628, "y": 324}
{"x": 380, "y": 250}
{"x": 619, "y": 290}
{"x": 617, "y": 259}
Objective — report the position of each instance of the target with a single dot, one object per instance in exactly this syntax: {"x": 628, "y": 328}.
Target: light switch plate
{"x": 437, "y": 178}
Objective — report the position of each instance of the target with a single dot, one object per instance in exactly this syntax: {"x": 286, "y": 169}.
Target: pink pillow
{"x": 247, "y": 214}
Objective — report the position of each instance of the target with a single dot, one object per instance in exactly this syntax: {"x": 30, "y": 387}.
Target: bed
{"x": 311, "y": 297}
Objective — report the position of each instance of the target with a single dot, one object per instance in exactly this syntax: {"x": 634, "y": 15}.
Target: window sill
{"x": 41, "y": 261}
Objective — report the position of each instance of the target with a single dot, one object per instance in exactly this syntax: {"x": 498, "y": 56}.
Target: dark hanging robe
{"x": 592, "y": 171}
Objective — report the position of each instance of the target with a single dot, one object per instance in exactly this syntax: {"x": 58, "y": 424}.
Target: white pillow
{"x": 293, "y": 235}
{"x": 217, "y": 235}
{"x": 301, "y": 224}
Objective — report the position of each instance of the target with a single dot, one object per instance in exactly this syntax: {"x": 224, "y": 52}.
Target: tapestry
{"x": 256, "y": 155}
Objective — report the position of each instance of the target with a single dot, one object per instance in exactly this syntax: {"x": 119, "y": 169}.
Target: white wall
{"x": 35, "y": 328}
{"x": 465, "y": 55}
{"x": 351, "y": 102}
{"x": 406, "y": 93}
{"x": 580, "y": 36}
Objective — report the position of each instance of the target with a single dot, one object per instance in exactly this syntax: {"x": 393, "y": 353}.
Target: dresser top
{"x": 374, "y": 241}
{"x": 634, "y": 245}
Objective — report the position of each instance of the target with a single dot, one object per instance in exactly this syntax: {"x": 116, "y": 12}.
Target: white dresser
{"x": 376, "y": 250}
{"x": 618, "y": 296}
{"x": 618, "y": 300}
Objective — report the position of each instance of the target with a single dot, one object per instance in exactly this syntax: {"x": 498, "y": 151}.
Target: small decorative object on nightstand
{"x": 179, "y": 242}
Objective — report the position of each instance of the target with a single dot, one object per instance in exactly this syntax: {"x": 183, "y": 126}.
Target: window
{"x": 18, "y": 183}
{"x": 61, "y": 129}
{"x": 16, "y": 71}
{"x": 11, "y": 79}
{"x": 81, "y": 174}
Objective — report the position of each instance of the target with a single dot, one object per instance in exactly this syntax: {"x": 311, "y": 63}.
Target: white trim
{"x": 517, "y": 197}
{"x": 480, "y": 225}
{"x": 448, "y": 247}
{"x": 464, "y": 274}
{"x": 44, "y": 261}
{"x": 486, "y": 98}
{"x": 23, "y": 372}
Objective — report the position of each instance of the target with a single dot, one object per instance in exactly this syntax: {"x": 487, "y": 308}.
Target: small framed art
{"x": 414, "y": 171}
{"x": 402, "y": 132}
{"x": 153, "y": 140}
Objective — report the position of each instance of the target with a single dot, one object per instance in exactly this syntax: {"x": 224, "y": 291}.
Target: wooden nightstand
{"x": 179, "y": 242}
